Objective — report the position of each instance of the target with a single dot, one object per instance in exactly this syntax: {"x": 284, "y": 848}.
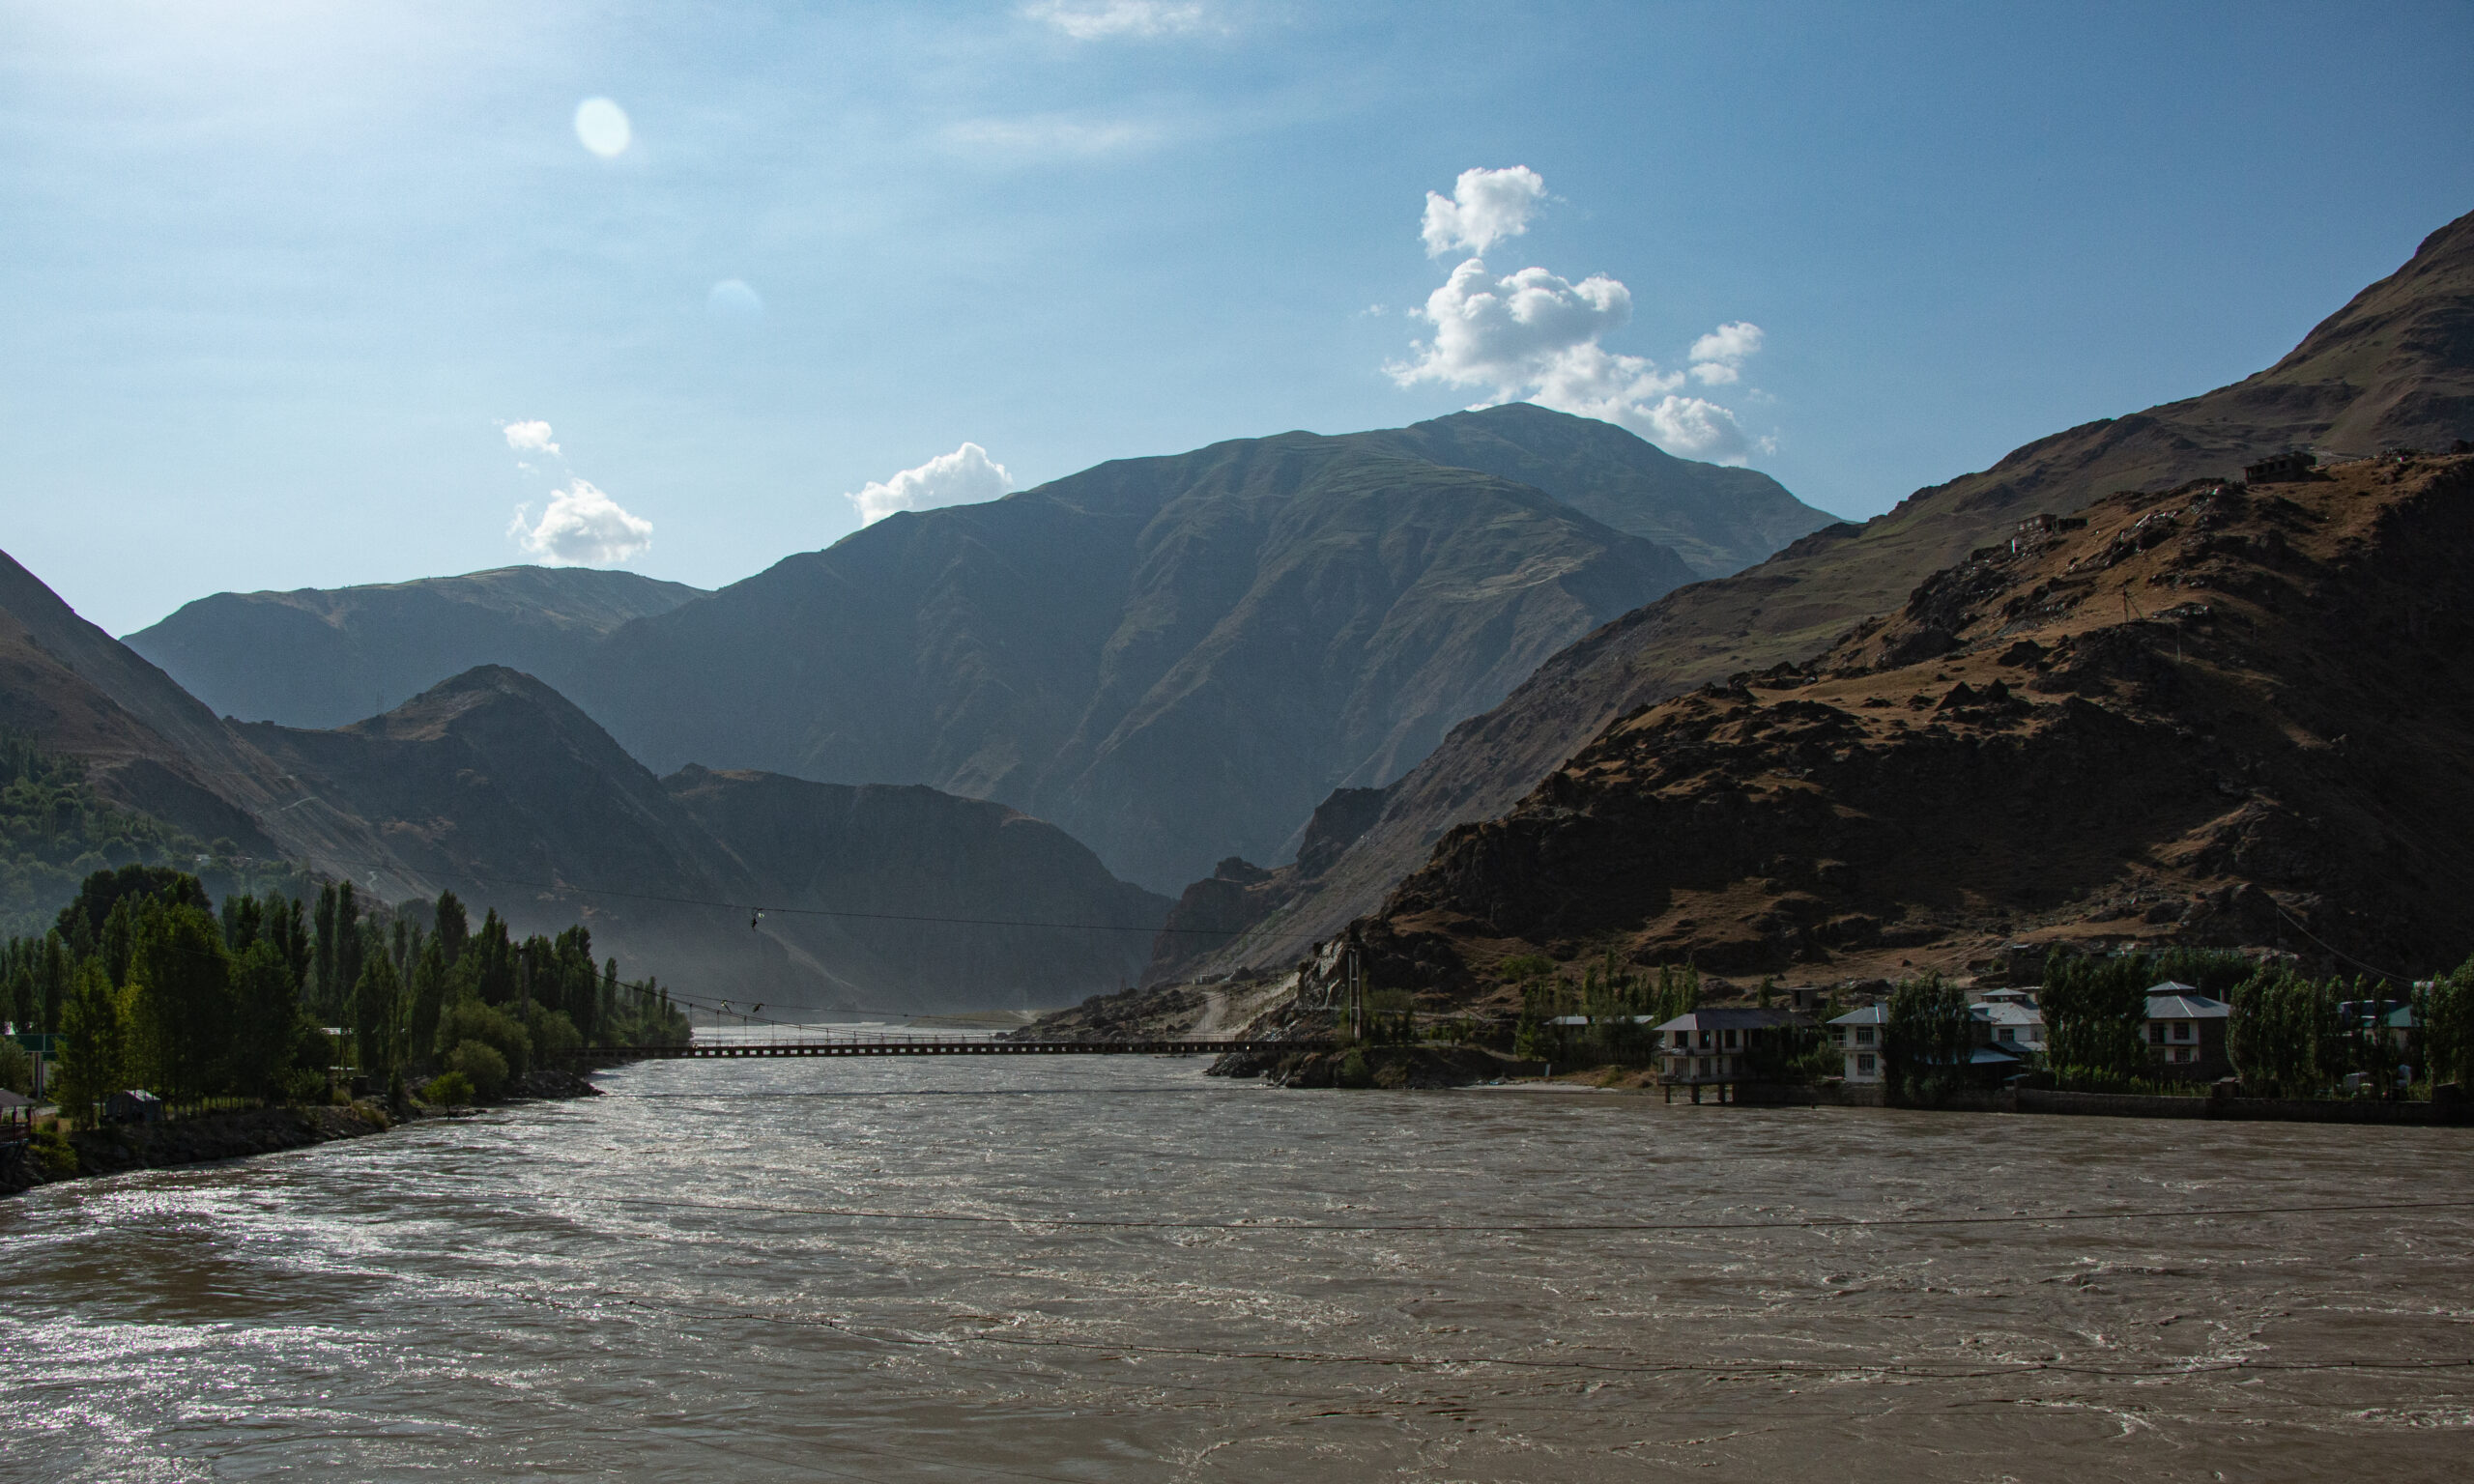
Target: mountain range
{"x": 492, "y": 785}
{"x": 2393, "y": 367}
{"x": 1171, "y": 658}
{"x": 316, "y": 657}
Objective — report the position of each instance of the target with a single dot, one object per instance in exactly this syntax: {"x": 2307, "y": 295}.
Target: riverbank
{"x": 119, "y": 1148}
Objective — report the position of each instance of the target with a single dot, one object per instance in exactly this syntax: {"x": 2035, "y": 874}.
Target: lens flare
{"x": 603, "y": 126}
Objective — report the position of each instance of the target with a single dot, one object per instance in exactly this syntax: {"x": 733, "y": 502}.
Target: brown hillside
{"x": 2395, "y": 366}
{"x": 2213, "y": 716}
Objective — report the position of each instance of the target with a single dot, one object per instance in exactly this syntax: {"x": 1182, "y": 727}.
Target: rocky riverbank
{"x": 120, "y": 1147}
{"x": 1385, "y": 1066}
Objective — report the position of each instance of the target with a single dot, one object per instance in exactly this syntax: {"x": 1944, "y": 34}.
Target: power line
{"x": 2403, "y": 978}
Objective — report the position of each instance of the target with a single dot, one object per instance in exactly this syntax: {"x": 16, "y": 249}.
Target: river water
{"x": 725, "y": 1270}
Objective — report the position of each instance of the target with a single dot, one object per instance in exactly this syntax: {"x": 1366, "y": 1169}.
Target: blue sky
{"x": 275, "y": 280}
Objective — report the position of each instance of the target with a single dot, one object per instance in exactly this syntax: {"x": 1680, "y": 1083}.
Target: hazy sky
{"x": 301, "y": 294}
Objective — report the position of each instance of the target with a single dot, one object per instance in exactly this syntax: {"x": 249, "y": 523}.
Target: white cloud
{"x": 529, "y": 437}
{"x": 1091, "y": 20}
{"x": 1485, "y": 208}
{"x": 1533, "y": 335}
{"x": 582, "y": 526}
{"x": 1718, "y": 357}
{"x": 1695, "y": 429}
{"x": 966, "y": 477}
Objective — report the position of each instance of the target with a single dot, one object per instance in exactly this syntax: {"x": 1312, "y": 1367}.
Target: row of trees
{"x": 2289, "y": 1035}
{"x": 146, "y": 984}
{"x": 1618, "y": 1004}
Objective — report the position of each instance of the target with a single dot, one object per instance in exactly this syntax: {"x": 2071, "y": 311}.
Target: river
{"x": 1094, "y": 1268}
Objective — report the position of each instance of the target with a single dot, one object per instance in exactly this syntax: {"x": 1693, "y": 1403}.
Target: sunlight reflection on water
{"x": 717, "y": 1271}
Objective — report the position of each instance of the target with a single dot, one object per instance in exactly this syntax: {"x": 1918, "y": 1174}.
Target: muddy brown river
{"x": 1096, "y": 1270}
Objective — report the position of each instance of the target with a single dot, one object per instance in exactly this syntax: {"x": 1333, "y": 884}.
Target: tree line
{"x": 146, "y": 984}
{"x": 2287, "y": 1033}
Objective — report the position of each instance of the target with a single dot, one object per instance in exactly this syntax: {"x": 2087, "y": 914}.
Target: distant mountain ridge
{"x": 1720, "y": 520}
{"x": 316, "y": 657}
{"x": 2395, "y": 366}
{"x": 1174, "y": 658}
{"x": 893, "y": 898}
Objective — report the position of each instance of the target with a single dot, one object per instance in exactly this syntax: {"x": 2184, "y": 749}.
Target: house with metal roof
{"x": 1858, "y": 1034}
{"x": 2186, "y": 1032}
{"x": 1719, "y": 1047}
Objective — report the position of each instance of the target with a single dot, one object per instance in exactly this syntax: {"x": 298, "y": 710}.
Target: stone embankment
{"x": 119, "y": 1148}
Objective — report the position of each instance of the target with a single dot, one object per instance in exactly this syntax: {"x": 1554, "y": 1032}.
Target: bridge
{"x": 923, "y": 1047}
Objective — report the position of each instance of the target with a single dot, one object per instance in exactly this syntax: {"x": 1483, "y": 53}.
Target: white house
{"x": 2012, "y": 1022}
{"x": 1859, "y": 1039}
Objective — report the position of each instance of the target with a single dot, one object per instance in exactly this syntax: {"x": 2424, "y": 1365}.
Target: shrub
{"x": 552, "y": 1034}
{"x": 53, "y": 1152}
{"x": 471, "y": 1020}
{"x": 16, "y": 1069}
{"x": 482, "y": 1066}
{"x": 450, "y": 1088}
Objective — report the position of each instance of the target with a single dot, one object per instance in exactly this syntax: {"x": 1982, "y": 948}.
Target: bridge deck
{"x": 923, "y": 1048}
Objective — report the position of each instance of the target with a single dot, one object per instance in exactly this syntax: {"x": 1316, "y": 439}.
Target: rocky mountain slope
{"x": 494, "y": 785}
{"x": 2394, "y": 366}
{"x": 323, "y": 658}
{"x": 2216, "y": 715}
{"x": 1173, "y": 657}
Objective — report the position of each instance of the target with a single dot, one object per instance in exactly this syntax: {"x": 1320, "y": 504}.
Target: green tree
{"x": 1926, "y": 1039}
{"x": 2445, "y": 1026}
{"x": 425, "y": 998}
{"x": 94, "y": 1042}
{"x": 269, "y": 1022}
{"x": 2096, "y": 1015}
{"x": 451, "y": 926}
{"x": 17, "y": 1067}
{"x": 482, "y": 1065}
{"x": 375, "y": 1008}
{"x": 180, "y": 983}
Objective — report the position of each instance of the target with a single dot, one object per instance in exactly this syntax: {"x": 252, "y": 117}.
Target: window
{"x": 2156, "y": 1033}
{"x": 1705, "y": 1066}
{"x": 2182, "y": 1029}
{"x": 1864, "y": 1035}
{"x": 1684, "y": 1038}
{"x": 2181, "y": 1053}
{"x": 1731, "y": 1038}
{"x": 1705, "y": 1038}
{"x": 1864, "y": 1062}
{"x": 2007, "y": 1033}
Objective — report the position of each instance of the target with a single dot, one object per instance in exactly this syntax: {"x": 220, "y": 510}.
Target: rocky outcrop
{"x": 1238, "y": 896}
{"x": 2207, "y": 716}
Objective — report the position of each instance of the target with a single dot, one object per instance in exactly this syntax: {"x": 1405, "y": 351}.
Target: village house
{"x": 2008, "y": 1030}
{"x": 1719, "y": 1047}
{"x": 2011, "y": 1021}
{"x": 2186, "y": 1032}
{"x": 1858, "y": 1034}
